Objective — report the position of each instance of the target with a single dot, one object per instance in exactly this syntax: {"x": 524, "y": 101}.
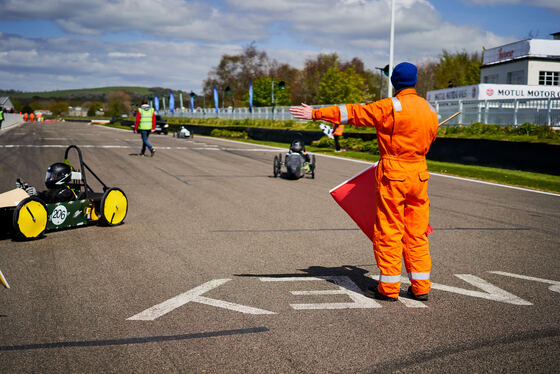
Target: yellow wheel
{"x": 114, "y": 206}
{"x": 30, "y": 218}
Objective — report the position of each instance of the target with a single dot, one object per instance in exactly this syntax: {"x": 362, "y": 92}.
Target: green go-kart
{"x": 27, "y": 215}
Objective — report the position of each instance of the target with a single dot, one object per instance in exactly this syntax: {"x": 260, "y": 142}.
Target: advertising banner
{"x": 488, "y": 91}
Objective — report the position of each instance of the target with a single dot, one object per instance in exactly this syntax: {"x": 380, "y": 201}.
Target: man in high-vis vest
{"x": 146, "y": 123}
{"x": 406, "y": 127}
{"x": 1, "y": 116}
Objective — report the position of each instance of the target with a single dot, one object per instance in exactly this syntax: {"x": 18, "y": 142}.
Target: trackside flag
{"x": 250, "y": 95}
{"x": 156, "y": 103}
{"x": 192, "y": 103}
{"x": 215, "y": 98}
{"x": 357, "y": 197}
{"x": 171, "y": 102}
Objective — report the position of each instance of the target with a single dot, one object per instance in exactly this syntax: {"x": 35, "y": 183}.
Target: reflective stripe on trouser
{"x": 402, "y": 217}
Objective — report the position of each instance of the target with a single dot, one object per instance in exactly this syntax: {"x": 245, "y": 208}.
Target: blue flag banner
{"x": 171, "y": 102}
{"x": 192, "y": 103}
{"x": 250, "y": 95}
{"x": 216, "y": 98}
{"x": 156, "y": 103}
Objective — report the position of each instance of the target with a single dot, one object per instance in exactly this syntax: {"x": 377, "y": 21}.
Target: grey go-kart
{"x": 297, "y": 162}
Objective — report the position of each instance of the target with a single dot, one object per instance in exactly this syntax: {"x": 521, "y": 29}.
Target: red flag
{"x": 357, "y": 197}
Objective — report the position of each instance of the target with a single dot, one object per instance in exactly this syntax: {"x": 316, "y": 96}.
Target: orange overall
{"x": 406, "y": 127}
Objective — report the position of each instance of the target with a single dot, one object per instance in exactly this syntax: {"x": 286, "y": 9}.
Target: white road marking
{"x": 554, "y": 285}
{"x": 345, "y": 287}
{"x": 193, "y": 295}
{"x": 491, "y": 292}
{"x": 205, "y": 148}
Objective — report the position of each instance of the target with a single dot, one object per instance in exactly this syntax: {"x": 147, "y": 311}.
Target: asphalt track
{"x": 221, "y": 268}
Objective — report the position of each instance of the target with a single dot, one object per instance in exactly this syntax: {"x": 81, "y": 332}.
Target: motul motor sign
{"x": 486, "y": 91}
{"x": 505, "y": 54}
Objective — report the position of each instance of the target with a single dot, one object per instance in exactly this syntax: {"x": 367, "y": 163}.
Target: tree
{"x": 426, "y": 77}
{"x": 235, "y": 71}
{"x": 59, "y": 108}
{"x": 27, "y": 109}
{"x": 341, "y": 87}
{"x": 262, "y": 93}
{"x": 119, "y": 102}
{"x": 94, "y": 107}
{"x": 307, "y": 88}
{"x": 461, "y": 68}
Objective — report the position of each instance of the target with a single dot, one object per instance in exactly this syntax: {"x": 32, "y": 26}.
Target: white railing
{"x": 501, "y": 112}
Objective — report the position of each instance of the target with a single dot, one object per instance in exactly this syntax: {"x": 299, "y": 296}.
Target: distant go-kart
{"x": 183, "y": 133}
{"x": 68, "y": 202}
{"x": 297, "y": 163}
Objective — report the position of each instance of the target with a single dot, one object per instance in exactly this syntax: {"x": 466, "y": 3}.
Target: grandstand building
{"x": 522, "y": 70}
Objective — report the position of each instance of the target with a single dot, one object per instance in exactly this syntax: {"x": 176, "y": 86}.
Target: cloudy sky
{"x": 64, "y": 44}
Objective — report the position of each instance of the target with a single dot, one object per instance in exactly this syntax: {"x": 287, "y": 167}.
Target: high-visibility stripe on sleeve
{"x": 343, "y": 114}
{"x": 419, "y": 276}
{"x": 389, "y": 278}
{"x": 396, "y": 104}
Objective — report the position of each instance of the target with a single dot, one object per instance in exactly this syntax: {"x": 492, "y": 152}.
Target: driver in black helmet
{"x": 58, "y": 180}
{"x": 298, "y": 146}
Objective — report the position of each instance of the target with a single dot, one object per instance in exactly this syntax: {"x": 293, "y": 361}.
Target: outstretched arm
{"x": 302, "y": 112}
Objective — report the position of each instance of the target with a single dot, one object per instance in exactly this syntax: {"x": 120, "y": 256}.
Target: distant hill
{"x": 86, "y": 94}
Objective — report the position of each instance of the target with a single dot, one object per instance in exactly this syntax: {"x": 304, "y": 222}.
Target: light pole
{"x": 391, "y": 47}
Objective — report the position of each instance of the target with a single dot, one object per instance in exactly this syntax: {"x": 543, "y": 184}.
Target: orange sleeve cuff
{"x": 316, "y": 114}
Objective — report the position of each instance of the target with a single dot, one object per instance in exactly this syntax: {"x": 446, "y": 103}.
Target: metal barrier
{"x": 11, "y": 119}
{"x": 512, "y": 112}
{"x": 501, "y": 112}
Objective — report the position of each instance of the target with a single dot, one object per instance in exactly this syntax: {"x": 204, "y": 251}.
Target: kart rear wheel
{"x": 114, "y": 206}
{"x": 313, "y": 165}
{"x": 275, "y": 166}
{"x": 30, "y": 218}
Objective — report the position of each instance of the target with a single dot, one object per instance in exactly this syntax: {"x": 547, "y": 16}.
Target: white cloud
{"x": 185, "y": 39}
{"x": 125, "y": 55}
{"x": 48, "y": 63}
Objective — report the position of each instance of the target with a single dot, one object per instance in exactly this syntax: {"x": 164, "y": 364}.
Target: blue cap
{"x": 404, "y": 75}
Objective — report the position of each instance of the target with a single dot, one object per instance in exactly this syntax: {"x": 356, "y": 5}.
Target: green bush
{"x": 229, "y": 134}
{"x": 351, "y": 144}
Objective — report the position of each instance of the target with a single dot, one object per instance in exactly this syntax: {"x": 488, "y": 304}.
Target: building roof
{"x": 5, "y": 102}
{"x": 532, "y": 48}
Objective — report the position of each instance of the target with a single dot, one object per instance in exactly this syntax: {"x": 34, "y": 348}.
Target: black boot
{"x": 374, "y": 293}
{"x": 423, "y": 297}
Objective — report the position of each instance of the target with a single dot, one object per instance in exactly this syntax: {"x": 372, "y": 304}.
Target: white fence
{"x": 501, "y": 112}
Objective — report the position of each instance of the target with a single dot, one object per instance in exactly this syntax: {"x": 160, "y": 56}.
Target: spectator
{"x": 146, "y": 123}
